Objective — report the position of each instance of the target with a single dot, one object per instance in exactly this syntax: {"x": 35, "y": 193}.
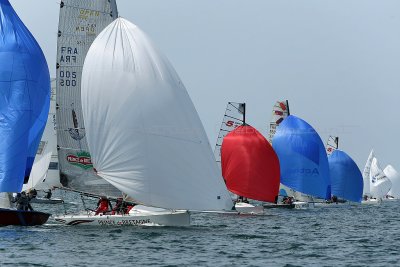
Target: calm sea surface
{"x": 363, "y": 235}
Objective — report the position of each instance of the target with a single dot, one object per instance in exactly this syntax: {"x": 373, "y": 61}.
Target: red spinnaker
{"x": 250, "y": 166}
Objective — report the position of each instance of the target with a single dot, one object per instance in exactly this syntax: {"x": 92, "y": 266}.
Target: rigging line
{"x": 237, "y": 108}
{"x": 232, "y": 118}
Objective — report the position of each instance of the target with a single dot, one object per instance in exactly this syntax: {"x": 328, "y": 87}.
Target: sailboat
{"x": 24, "y": 106}
{"x": 139, "y": 138}
{"x": 394, "y": 177}
{"x": 279, "y": 112}
{"x": 250, "y": 167}
{"x": 303, "y": 161}
{"x": 346, "y": 178}
{"x": 380, "y": 183}
{"x": 376, "y": 184}
{"x": 45, "y": 175}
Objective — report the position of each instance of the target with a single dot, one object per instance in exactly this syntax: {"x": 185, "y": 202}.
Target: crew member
{"x": 103, "y": 206}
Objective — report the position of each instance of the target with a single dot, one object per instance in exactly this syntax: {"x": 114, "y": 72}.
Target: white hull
{"x": 372, "y": 201}
{"x": 145, "y": 216}
{"x": 246, "y": 208}
{"x": 303, "y": 205}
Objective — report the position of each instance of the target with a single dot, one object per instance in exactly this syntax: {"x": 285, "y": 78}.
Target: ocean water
{"x": 362, "y": 235}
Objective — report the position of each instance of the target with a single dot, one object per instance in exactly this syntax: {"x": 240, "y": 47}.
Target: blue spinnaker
{"x": 346, "y": 177}
{"x": 24, "y": 99}
{"x": 302, "y": 157}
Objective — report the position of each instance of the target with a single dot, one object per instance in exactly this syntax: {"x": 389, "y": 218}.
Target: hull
{"x": 47, "y": 201}
{"x": 303, "y": 205}
{"x": 136, "y": 217}
{"x": 372, "y": 201}
{"x": 246, "y": 208}
{"x": 279, "y": 206}
{"x": 22, "y": 218}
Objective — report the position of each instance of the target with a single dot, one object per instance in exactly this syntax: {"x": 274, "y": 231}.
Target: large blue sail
{"x": 302, "y": 157}
{"x": 24, "y": 99}
{"x": 346, "y": 178}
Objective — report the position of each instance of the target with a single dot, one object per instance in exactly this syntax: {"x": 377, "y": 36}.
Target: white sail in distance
{"x": 235, "y": 116}
{"x": 332, "y": 144}
{"x": 279, "y": 112}
{"x": 366, "y": 174}
{"x": 380, "y": 184}
{"x": 394, "y": 178}
{"x": 44, "y": 174}
{"x": 143, "y": 130}
{"x": 80, "y": 22}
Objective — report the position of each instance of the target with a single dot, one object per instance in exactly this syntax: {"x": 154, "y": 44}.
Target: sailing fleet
{"x": 118, "y": 124}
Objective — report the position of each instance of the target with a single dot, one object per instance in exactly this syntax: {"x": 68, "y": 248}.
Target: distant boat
{"x": 366, "y": 176}
{"x": 159, "y": 155}
{"x": 24, "y": 102}
{"x": 346, "y": 178}
{"x": 380, "y": 183}
{"x": 394, "y": 178}
{"x": 250, "y": 167}
{"x": 303, "y": 160}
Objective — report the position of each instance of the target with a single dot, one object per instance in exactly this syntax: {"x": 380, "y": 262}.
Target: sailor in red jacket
{"x": 103, "y": 206}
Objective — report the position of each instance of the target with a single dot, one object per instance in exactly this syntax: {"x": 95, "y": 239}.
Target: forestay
{"x": 380, "y": 184}
{"x": 80, "y": 22}
{"x": 235, "y": 115}
{"x": 24, "y": 99}
{"x": 394, "y": 178}
{"x": 143, "y": 131}
{"x": 303, "y": 161}
{"x": 346, "y": 178}
{"x": 250, "y": 166}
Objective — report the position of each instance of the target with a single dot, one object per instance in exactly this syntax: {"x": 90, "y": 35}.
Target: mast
{"x": 114, "y": 9}
{"x": 287, "y": 106}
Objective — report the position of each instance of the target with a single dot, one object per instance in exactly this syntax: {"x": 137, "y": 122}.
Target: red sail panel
{"x": 250, "y": 166}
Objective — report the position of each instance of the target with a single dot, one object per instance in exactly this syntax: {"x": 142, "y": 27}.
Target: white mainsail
{"x": 235, "y": 115}
{"x": 366, "y": 174}
{"x": 380, "y": 184}
{"x": 5, "y": 200}
{"x": 143, "y": 130}
{"x": 44, "y": 174}
{"x": 394, "y": 178}
{"x": 279, "y": 112}
{"x": 80, "y": 22}
{"x": 332, "y": 144}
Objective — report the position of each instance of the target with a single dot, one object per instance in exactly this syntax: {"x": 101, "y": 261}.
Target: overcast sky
{"x": 338, "y": 62}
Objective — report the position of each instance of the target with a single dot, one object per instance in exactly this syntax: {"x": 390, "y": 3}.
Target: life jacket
{"x": 103, "y": 206}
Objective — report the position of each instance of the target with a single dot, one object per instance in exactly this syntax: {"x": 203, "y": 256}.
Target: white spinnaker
{"x": 234, "y": 116}
{"x": 394, "y": 177}
{"x": 380, "y": 184}
{"x": 279, "y": 112}
{"x": 143, "y": 130}
{"x": 5, "y": 200}
{"x": 41, "y": 177}
{"x": 366, "y": 174}
{"x": 332, "y": 144}
{"x": 80, "y": 22}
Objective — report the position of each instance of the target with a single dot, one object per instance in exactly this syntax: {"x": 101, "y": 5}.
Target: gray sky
{"x": 338, "y": 62}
